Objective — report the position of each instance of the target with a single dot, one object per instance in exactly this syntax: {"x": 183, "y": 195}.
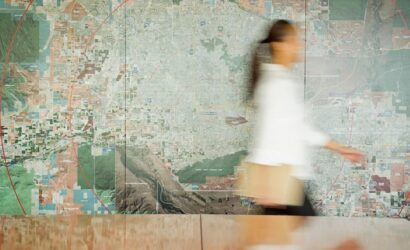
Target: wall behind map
{"x": 138, "y": 106}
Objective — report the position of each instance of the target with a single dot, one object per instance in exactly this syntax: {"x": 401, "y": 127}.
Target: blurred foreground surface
{"x": 188, "y": 232}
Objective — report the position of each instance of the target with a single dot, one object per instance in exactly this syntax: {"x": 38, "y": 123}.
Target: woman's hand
{"x": 351, "y": 154}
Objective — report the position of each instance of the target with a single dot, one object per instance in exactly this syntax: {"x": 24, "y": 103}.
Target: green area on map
{"x": 402, "y": 16}
{"x": 23, "y": 182}
{"x": 392, "y": 75}
{"x": 25, "y": 48}
{"x": 96, "y": 170}
{"x": 347, "y": 9}
{"x": 221, "y": 166}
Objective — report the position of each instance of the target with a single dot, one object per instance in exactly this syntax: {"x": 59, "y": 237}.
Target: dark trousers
{"x": 305, "y": 210}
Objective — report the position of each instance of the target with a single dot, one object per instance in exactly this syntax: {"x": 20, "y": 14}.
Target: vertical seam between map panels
{"x": 125, "y": 127}
{"x": 305, "y": 52}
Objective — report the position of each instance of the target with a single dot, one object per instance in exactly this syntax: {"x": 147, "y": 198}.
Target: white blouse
{"x": 281, "y": 133}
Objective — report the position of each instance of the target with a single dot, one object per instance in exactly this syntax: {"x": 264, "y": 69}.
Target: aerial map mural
{"x": 135, "y": 106}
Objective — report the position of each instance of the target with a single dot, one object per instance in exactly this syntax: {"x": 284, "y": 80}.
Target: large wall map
{"x": 135, "y": 106}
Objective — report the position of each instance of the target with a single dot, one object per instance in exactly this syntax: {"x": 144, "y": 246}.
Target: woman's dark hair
{"x": 277, "y": 33}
